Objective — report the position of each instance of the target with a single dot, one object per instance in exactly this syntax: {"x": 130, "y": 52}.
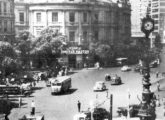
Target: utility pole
{"x": 111, "y": 107}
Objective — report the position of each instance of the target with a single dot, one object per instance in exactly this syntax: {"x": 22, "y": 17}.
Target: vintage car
{"x": 115, "y": 80}
{"x": 153, "y": 64}
{"x": 98, "y": 114}
{"x": 99, "y": 86}
{"x": 125, "y": 68}
{"x": 134, "y": 109}
{"x": 137, "y": 68}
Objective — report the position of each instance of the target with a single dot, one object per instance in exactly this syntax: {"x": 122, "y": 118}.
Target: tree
{"x": 23, "y": 46}
{"x": 105, "y": 53}
{"x": 47, "y": 47}
{"x": 8, "y": 58}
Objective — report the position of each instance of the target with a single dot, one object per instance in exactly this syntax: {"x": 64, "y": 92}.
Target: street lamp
{"x": 147, "y": 108}
{"x": 111, "y": 105}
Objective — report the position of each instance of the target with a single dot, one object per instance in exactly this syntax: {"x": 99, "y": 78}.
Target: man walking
{"x": 20, "y": 102}
{"x": 157, "y": 74}
{"x": 79, "y": 106}
{"x": 33, "y": 107}
{"x": 158, "y": 86}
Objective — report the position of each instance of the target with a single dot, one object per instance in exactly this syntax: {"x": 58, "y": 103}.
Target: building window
{"x": 11, "y": 8}
{"x": 83, "y": 0}
{"x": 12, "y": 26}
{"x": 71, "y": 0}
{"x": 156, "y": 21}
{"x": 96, "y": 17}
{"x": 37, "y": 32}
{"x": 21, "y": 17}
{"x": 156, "y": 27}
{"x": 0, "y": 8}
{"x": 84, "y": 17}
{"x": 38, "y": 15}
{"x": 5, "y": 8}
{"x": 0, "y": 26}
{"x": 155, "y": 5}
{"x": 72, "y": 36}
{"x": 54, "y": 17}
{"x": 85, "y": 36}
{"x": 154, "y": 10}
{"x": 96, "y": 35}
{"x": 72, "y": 17}
{"x": 155, "y": 16}
{"x": 5, "y": 26}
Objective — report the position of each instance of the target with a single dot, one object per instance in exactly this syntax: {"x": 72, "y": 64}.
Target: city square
{"x": 82, "y": 60}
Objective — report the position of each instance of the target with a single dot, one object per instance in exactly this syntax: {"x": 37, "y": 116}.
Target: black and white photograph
{"x": 82, "y": 59}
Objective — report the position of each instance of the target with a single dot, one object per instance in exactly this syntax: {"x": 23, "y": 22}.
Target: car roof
{"x": 99, "y": 82}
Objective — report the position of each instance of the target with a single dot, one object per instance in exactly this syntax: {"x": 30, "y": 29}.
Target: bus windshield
{"x": 56, "y": 84}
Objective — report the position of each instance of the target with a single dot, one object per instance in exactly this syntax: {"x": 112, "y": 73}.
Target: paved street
{"x": 63, "y": 107}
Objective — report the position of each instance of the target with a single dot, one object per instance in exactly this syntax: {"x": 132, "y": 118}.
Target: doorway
{"x": 72, "y": 61}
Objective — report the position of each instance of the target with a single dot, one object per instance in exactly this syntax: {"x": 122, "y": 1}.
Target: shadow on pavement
{"x": 71, "y": 91}
{"x": 70, "y": 73}
{"x": 37, "y": 88}
{"x": 101, "y": 90}
{"x": 117, "y": 84}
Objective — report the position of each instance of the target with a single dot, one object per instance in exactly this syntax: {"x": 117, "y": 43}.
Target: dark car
{"x": 137, "y": 68}
{"x": 153, "y": 64}
{"x": 134, "y": 109}
{"x": 115, "y": 80}
{"x": 98, "y": 114}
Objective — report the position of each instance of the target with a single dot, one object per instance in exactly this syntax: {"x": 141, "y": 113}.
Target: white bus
{"x": 60, "y": 84}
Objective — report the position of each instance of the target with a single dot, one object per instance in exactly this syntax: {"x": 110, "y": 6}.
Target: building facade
{"x": 81, "y": 21}
{"x": 158, "y": 14}
{"x": 139, "y": 10}
{"x": 7, "y": 31}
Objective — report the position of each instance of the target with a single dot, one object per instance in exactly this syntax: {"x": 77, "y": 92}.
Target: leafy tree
{"x": 23, "y": 46}
{"x": 105, "y": 53}
{"x": 47, "y": 47}
{"x": 8, "y": 58}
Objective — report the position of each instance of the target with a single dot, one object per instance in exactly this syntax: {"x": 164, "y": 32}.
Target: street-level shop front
{"x": 74, "y": 57}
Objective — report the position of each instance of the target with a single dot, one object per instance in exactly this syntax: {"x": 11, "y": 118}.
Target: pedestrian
{"x": 79, "y": 106}
{"x": 158, "y": 86}
{"x": 157, "y": 74}
{"x": 33, "y": 107}
{"x": 164, "y": 107}
{"x": 20, "y": 102}
{"x": 158, "y": 101}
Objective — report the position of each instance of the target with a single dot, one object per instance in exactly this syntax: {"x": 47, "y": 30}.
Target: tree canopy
{"x": 8, "y": 58}
{"x": 47, "y": 47}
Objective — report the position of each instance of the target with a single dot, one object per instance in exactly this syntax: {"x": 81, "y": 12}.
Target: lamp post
{"x": 147, "y": 108}
{"x": 110, "y": 106}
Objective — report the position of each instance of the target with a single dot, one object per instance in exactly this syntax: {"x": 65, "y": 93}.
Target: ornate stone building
{"x": 79, "y": 20}
{"x": 7, "y": 18}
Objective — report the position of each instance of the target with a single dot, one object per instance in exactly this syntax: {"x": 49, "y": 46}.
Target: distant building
{"x": 7, "y": 18}
{"x": 139, "y": 10}
{"x": 158, "y": 14}
{"x": 79, "y": 20}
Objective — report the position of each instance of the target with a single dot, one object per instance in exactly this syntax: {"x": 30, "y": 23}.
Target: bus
{"x": 60, "y": 84}
{"x": 121, "y": 61}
